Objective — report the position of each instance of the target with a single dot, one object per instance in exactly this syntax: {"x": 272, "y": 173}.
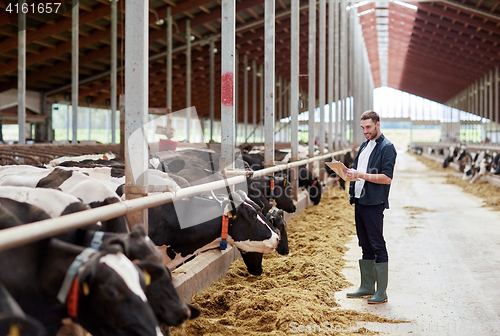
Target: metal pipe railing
{"x": 29, "y": 233}
{"x": 464, "y": 145}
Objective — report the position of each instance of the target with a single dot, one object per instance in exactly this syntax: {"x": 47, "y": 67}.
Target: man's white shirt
{"x": 364, "y": 156}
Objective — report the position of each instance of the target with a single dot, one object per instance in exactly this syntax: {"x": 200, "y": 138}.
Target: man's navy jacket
{"x": 381, "y": 161}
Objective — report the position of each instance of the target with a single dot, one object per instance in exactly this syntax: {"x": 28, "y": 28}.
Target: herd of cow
{"x": 475, "y": 164}
{"x": 112, "y": 280}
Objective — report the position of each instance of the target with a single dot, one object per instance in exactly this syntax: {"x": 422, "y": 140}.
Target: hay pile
{"x": 481, "y": 188}
{"x": 296, "y": 288}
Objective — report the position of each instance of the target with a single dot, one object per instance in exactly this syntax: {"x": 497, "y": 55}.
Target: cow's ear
{"x": 113, "y": 248}
{"x": 229, "y": 209}
{"x": 138, "y": 231}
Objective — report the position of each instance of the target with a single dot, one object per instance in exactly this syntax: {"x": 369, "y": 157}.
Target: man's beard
{"x": 374, "y": 135}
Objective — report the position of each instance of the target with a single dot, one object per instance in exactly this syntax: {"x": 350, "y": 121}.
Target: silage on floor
{"x": 298, "y": 289}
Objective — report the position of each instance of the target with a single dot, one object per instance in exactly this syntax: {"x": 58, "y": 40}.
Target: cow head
{"x": 248, "y": 228}
{"x": 253, "y": 262}
{"x": 283, "y": 193}
{"x": 315, "y": 191}
{"x": 111, "y": 300}
{"x": 162, "y": 296}
{"x": 279, "y": 225}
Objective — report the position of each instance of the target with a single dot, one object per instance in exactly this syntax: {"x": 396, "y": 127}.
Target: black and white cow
{"x": 480, "y": 165}
{"x": 282, "y": 192}
{"x": 137, "y": 246}
{"x": 13, "y": 321}
{"x": 114, "y": 177}
{"x": 80, "y": 158}
{"x": 89, "y": 190}
{"x": 495, "y": 163}
{"x": 106, "y": 297}
{"x": 253, "y": 260}
{"x": 248, "y": 229}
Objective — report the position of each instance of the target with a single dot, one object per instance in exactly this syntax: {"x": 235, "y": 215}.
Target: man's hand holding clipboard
{"x": 341, "y": 170}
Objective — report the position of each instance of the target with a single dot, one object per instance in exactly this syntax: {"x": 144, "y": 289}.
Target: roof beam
{"x": 62, "y": 48}
{"x": 460, "y": 17}
{"x": 62, "y": 24}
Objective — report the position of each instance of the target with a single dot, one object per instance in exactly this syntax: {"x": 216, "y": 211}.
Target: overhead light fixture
{"x": 192, "y": 38}
{"x": 404, "y": 4}
{"x": 249, "y": 68}
{"x": 359, "y": 4}
{"x": 160, "y": 22}
{"x": 368, "y": 11}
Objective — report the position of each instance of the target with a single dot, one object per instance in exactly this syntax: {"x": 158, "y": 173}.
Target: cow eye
{"x": 114, "y": 292}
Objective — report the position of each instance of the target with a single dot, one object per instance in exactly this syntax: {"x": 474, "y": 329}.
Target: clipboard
{"x": 337, "y": 167}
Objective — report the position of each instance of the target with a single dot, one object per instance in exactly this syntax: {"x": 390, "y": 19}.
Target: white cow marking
{"x": 126, "y": 269}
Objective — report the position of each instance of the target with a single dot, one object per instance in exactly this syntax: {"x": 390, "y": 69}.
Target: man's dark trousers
{"x": 369, "y": 228}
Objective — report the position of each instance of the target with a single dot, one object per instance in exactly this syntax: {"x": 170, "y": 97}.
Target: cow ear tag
{"x": 227, "y": 212}
{"x": 72, "y": 300}
{"x": 86, "y": 289}
{"x": 285, "y": 182}
{"x": 147, "y": 277}
{"x": 14, "y": 330}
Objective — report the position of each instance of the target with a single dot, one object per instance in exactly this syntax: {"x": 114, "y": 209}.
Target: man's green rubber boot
{"x": 367, "y": 288}
{"x": 382, "y": 271}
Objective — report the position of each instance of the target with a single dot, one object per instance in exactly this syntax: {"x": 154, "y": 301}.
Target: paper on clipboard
{"x": 338, "y": 167}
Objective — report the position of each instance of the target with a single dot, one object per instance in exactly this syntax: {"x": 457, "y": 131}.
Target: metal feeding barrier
{"x": 29, "y": 233}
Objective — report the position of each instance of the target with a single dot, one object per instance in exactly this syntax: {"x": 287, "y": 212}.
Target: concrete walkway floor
{"x": 444, "y": 258}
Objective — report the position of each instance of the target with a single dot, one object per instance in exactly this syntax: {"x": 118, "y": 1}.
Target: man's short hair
{"x": 370, "y": 115}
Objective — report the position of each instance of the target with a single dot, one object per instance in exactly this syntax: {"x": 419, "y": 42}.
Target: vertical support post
{"x": 279, "y": 106}
{"x": 245, "y": 95}
{"x": 322, "y": 79}
{"x": 188, "y": 80}
{"x": 254, "y": 98}
{"x": 477, "y": 103}
{"x": 496, "y": 103}
{"x": 262, "y": 102}
{"x": 337, "y": 74}
{"x": 331, "y": 67}
{"x": 482, "y": 106}
{"x": 311, "y": 96}
{"x": 136, "y": 103}
{"x": 21, "y": 75}
{"x": 286, "y": 108}
{"x": 294, "y": 90}
{"x": 169, "y": 58}
{"x": 351, "y": 59}
{"x": 74, "y": 68}
{"x": 89, "y": 120}
{"x": 228, "y": 55}
{"x": 236, "y": 93}
{"x": 212, "y": 88}
{"x": 113, "y": 76}
{"x": 343, "y": 67}
{"x": 269, "y": 64}
{"x": 490, "y": 105}
{"x": 108, "y": 125}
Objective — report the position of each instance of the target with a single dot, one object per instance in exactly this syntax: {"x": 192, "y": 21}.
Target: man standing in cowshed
{"x": 374, "y": 167}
